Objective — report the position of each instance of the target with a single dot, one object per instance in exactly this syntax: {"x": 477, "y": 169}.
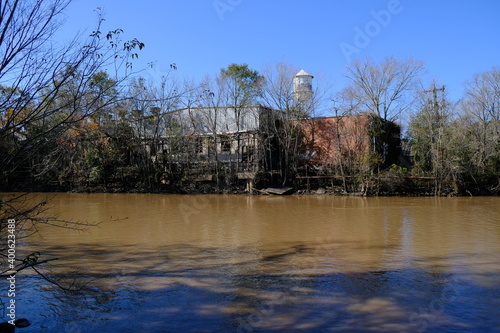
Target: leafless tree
{"x": 383, "y": 88}
{"x": 212, "y": 99}
{"x": 285, "y": 130}
{"x": 481, "y": 106}
{"x": 45, "y": 88}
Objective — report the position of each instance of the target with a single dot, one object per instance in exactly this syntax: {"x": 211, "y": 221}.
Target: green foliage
{"x": 421, "y": 136}
{"x": 244, "y": 76}
{"x": 244, "y": 84}
{"x": 96, "y": 175}
{"x": 67, "y": 119}
{"x": 394, "y": 168}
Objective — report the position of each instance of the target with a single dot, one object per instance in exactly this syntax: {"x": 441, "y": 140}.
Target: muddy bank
{"x": 379, "y": 187}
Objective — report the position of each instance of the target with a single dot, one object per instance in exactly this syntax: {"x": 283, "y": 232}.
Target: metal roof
{"x": 303, "y": 73}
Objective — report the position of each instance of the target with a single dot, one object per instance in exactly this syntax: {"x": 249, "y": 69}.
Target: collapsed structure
{"x": 213, "y": 144}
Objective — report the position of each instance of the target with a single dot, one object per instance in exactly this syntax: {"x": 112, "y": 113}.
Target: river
{"x": 216, "y": 263}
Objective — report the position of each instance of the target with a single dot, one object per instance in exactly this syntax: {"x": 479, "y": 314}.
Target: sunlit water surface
{"x": 167, "y": 263}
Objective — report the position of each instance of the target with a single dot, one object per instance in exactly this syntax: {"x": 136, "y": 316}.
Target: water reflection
{"x": 265, "y": 264}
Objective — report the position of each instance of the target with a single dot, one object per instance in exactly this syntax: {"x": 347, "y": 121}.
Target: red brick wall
{"x": 321, "y": 137}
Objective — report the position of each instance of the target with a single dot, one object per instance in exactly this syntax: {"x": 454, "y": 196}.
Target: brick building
{"x": 330, "y": 141}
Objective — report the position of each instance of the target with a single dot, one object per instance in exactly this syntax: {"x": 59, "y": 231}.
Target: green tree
{"x": 239, "y": 87}
{"x": 243, "y": 86}
{"x": 432, "y": 139}
{"x": 45, "y": 91}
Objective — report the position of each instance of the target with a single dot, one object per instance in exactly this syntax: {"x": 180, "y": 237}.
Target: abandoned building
{"x": 331, "y": 141}
{"x": 206, "y": 140}
{"x": 214, "y": 143}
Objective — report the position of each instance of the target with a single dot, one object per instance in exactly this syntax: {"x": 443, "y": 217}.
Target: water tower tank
{"x": 302, "y": 86}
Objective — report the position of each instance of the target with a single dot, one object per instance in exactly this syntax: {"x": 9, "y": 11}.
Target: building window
{"x": 193, "y": 145}
{"x": 385, "y": 147}
{"x": 211, "y": 147}
{"x": 225, "y": 144}
{"x": 175, "y": 146}
{"x": 247, "y": 154}
{"x": 198, "y": 146}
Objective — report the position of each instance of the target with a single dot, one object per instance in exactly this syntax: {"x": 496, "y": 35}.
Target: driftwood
{"x": 260, "y": 191}
{"x": 279, "y": 190}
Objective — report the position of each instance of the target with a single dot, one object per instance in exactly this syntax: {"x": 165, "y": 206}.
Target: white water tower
{"x": 302, "y": 86}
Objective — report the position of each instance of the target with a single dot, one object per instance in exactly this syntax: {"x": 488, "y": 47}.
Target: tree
{"x": 432, "y": 138}
{"x": 51, "y": 83}
{"x": 47, "y": 89}
{"x": 284, "y": 129}
{"x": 348, "y": 138}
{"x": 383, "y": 88}
{"x": 243, "y": 86}
{"x": 239, "y": 87}
{"x": 481, "y": 106}
{"x": 211, "y": 94}
{"x": 64, "y": 156}
{"x": 150, "y": 104}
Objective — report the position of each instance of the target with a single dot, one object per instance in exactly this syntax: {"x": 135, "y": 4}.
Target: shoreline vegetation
{"x": 81, "y": 118}
{"x": 78, "y": 116}
{"x": 388, "y": 185}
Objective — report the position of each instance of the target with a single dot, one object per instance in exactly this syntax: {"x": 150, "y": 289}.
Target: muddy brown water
{"x": 215, "y": 263}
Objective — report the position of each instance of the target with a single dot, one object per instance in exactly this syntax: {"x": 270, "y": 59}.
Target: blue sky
{"x": 455, "y": 39}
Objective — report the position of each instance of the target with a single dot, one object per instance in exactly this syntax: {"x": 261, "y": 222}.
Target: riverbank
{"x": 386, "y": 186}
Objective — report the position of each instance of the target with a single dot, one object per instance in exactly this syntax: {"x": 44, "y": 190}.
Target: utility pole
{"x": 435, "y": 103}
{"x": 437, "y": 138}
{"x": 435, "y": 90}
